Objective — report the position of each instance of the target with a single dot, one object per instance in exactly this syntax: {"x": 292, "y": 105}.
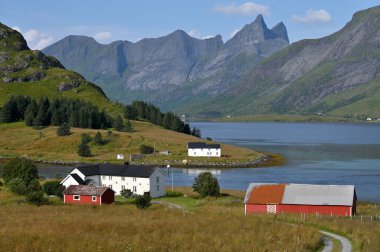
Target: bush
{"x": 84, "y": 150}
{"x": 126, "y": 193}
{"x": 142, "y": 202}
{"x": 17, "y": 186}
{"x": 20, "y": 168}
{"x": 146, "y": 149}
{"x": 86, "y": 138}
{"x": 51, "y": 187}
{"x": 63, "y": 130}
{"x": 98, "y": 139}
{"x": 36, "y": 198}
{"x": 173, "y": 194}
{"x": 206, "y": 185}
{"x": 1, "y": 183}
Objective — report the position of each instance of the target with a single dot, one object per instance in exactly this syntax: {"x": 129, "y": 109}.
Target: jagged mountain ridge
{"x": 338, "y": 74}
{"x": 173, "y": 69}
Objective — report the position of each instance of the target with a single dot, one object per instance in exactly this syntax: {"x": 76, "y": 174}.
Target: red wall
{"x": 84, "y": 199}
{"x": 307, "y": 209}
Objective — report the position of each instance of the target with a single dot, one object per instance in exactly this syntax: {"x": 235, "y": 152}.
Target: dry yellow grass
{"x": 216, "y": 225}
{"x": 16, "y": 139}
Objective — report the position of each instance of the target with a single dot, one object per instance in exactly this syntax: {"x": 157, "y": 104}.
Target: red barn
{"x": 88, "y": 194}
{"x": 337, "y": 200}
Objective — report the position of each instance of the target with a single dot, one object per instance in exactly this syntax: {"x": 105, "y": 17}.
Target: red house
{"x": 337, "y": 200}
{"x": 88, "y": 194}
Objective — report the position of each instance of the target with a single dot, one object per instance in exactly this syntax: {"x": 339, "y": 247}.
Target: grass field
{"x": 214, "y": 225}
{"x": 16, "y": 139}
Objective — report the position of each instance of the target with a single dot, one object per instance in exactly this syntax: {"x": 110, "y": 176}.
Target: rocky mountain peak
{"x": 280, "y": 30}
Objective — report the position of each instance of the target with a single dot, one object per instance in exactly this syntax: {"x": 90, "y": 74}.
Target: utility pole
{"x": 168, "y": 166}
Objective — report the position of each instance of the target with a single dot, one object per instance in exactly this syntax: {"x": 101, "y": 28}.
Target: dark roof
{"x": 78, "y": 179}
{"x": 138, "y": 171}
{"x": 202, "y": 145}
{"x": 86, "y": 190}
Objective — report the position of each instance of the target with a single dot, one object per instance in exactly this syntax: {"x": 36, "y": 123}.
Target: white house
{"x": 139, "y": 179}
{"x": 201, "y": 149}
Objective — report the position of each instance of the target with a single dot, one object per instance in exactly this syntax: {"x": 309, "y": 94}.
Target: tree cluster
{"x": 140, "y": 110}
{"x": 21, "y": 177}
{"x": 143, "y": 201}
{"x": 45, "y": 112}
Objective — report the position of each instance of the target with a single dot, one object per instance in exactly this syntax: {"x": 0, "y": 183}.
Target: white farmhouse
{"x": 139, "y": 179}
{"x": 201, "y": 149}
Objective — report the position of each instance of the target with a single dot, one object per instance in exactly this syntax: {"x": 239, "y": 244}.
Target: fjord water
{"x": 316, "y": 153}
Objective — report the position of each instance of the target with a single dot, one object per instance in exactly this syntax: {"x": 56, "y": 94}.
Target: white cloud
{"x": 35, "y": 39}
{"x": 102, "y": 36}
{"x": 233, "y": 33}
{"x": 31, "y": 35}
{"x": 16, "y": 28}
{"x": 244, "y": 9}
{"x": 313, "y": 16}
{"x": 44, "y": 42}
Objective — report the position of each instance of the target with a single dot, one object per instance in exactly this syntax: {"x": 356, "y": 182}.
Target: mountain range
{"x": 173, "y": 70}
{"x": 255, "y": 72}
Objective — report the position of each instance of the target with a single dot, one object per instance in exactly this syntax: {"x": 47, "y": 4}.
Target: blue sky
{"x": 45, "y": 22}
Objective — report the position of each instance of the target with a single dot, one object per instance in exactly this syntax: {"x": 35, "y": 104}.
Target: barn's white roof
{"x": 336, "y": 195}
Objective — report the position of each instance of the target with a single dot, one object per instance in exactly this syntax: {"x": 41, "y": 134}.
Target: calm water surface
{"x": 316, "y": 153}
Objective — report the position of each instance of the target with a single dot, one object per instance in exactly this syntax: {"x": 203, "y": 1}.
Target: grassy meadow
{"x": 16, "y": 139}
{"x": 213, "y": 224}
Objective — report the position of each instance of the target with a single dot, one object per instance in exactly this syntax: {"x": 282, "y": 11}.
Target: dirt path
{"x": 346, "y": 244}
{"x": 329, "y": 245}
{"x": 168, "y": 204}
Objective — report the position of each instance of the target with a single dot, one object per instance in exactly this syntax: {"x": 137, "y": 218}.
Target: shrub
{"x": 20, "y": 168}
{"x": 63, "y": 130}
{"x": 173, "y": 194}
{"x": 36, "y": 198}
{"x": 206, "y": 185}
{"x": 98, "y": 139}
{"x": 128, "y": 126}
{"x": 84, "y": 150}
{"x": 51, "y": 187}
{"x": 17, "y": 186}
{"x": 86, "y": 138}
{"x": 1, "y": 183}
{"x": 118, "y": 124}
{"x": 143, "y": 201}
{"x": 146, "y": 149}
{"x": 126, "y": 193}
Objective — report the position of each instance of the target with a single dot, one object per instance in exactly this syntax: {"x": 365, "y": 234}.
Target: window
{"x": 110, "y": 177}
{"x": 158, "y": 188}
{"x": 122, "y": 187}
{"x": 76, "y": 197}
{"x": 134, "y": 179}
{"x": 157, "y": 179}
{"x": 94, "y": 198}
{"x": 123, "y": 178}
{"x": 134, "y": 189}
{"x": 104, "y": 185}
{"x": 195, "y": 153}
{"x": 110, "y": 186}
{"x": 104, "y": 177}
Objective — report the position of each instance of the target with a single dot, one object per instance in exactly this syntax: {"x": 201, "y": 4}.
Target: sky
{"x": 45, "y": 22}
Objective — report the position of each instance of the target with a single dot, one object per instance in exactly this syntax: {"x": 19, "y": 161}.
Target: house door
{"x": 271, "y": 209}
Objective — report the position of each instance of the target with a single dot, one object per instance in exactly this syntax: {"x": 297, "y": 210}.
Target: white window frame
{"x": 134, "y": 188}
{"x": 104, "y": 177}
{"x": 158, "y": 179}
{"x": 134, "y": 178}
{"x": 110, "y": 177}
{"x": 76, "y": 197}
{"x": 122, "y": 187}
{"x": 110, "y": 186}
{"x": 123, "y": 178}
{"x": 158, "y": 188}
{"x": 94, "y": 198}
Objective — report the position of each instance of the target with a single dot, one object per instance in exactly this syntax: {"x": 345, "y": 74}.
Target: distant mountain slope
{"x": 338, "y": 74}
{"x": 173, "y": 70}
{"x": 27, "y": 72}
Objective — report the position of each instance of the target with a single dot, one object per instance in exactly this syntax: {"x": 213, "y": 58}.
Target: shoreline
{"x": 268, "y": 160}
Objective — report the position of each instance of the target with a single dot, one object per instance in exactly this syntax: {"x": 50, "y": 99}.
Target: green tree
{"x": 51, "y": 187}
{"x": 20, "y": 168}
{"x": 126, "y": 193}
{"x": 36, "y": 198}
{"x": 128, "y": 126}
{"x": 143, "y": 201}
{"x": 30, "y": 113}
{"x": 146, "y": 149}
{"x": 118, "y": 124}
{"x": 86, "y": 138}
{"x": 98, "y": 139}
{"x": 63, "y": 130}
{"x": 17, "y": 186}
{"x": 84, "y": 150}
{"x": 206, "y": 185}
